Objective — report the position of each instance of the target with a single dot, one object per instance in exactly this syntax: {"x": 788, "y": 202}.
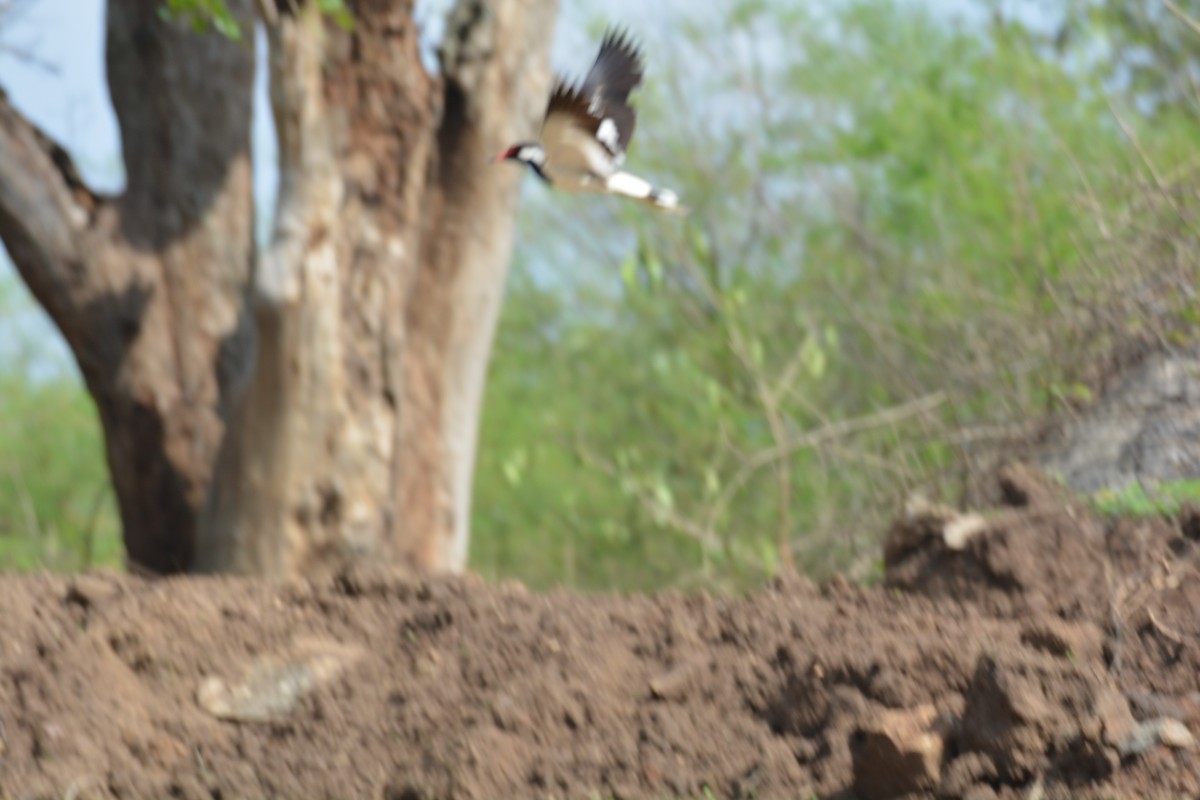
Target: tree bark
{"x": 320, "y": 404}
{"x": 147, "y": 287}
{"x": 378, "y": 296}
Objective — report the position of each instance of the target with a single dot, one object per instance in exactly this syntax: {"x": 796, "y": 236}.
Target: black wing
{"x": 604, "y": 94}
{"x": 616, "y": 73}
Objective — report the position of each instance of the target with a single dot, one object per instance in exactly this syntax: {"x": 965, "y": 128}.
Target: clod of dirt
{"x": 1189, "y": 522}
{"x": 897, "y": 753}
{"x": 965, "y": 772}
{"x": 677, "y": 682}
{"x": 1026, "y": 486}
{"x": 1057, "y": 637}
{"x": 93, "y": 590}
{"x": 923, "y": 523}
{"x": 1030, "y": 714}
{"x": 272, "y": 686}
{"x": 980, "y": 792}
{"x": 1040, "y": 557}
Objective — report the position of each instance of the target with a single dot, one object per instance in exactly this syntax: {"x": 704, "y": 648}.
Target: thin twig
{"x": 815, "y": 438}
{"x": 1177, "y": 11}
{"x": 705, "y": 536}
{"x": 1131, "y": 134}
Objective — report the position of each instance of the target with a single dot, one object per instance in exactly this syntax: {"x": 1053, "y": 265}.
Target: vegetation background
{"x": 913, "y": 232}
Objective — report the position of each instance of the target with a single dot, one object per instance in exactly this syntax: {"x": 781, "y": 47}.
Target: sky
{"x": 52, "y": 67}
{"x": 62, "y": 89}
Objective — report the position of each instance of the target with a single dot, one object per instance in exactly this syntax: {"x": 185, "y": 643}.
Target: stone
{"x": 897, "y": 752}
{"x": 1144, "y": 429}
{"x": 1154, "y": 732}
{"x": 270, "y": 687}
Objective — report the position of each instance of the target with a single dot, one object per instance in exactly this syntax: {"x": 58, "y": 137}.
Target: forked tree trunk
{"x": 325, "y": 408}
{"x": 148, "y": 288}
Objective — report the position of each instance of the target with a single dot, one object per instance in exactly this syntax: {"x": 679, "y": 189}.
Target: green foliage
{"x": 1135, "y": 500}
{"x": 56, "y": 504}
{"x": 201, "y": 14}
{"x": 888, "y": 211}
{"x": 1149, "y": 48}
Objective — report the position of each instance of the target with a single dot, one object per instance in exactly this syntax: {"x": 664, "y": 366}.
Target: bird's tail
{"x": 636, "y": 188}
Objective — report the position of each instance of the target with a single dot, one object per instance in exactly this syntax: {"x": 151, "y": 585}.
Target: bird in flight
{"x": 587, "y": 129}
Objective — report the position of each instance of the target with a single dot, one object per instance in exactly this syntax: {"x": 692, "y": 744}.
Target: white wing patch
{"x": 607, "y": 134}
{"x": 629, "y": 185}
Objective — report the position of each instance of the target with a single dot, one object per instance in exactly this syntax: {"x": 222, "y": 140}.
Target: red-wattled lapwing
{"x": 588, "y": 127}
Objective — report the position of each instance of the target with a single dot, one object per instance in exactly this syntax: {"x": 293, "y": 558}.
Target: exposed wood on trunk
{"x": 379, "y": 294}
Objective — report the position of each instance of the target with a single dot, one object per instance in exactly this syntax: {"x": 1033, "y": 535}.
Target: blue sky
{"x": 64, "y": 91}
{"x": 68, "y": 98}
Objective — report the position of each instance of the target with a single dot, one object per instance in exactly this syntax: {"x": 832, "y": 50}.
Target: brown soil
{"x": 1054, "y": 650}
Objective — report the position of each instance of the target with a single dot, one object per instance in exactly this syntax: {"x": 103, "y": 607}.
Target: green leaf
{"x": 227, "y": 26}
{"x": 813, "y": 357}
{"x": 514, "y": 466}
{"x": 338, "y": 11}
{"x": 663, "y": 496}
{"x": 661, "y": 362}
{"x": 768, "y": 555}
{"x": 712, "y": 482}
{"x": 629, "y": 272}
{"x": 756, "y": 352}
{"x": 654, "y": 269}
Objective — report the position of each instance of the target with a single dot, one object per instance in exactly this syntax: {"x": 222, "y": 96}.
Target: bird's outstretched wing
{"x": 600, "y": 105}
{"x": 616, "y": 73}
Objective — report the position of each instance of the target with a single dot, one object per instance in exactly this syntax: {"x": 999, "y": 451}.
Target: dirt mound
{"x": 1039, "y": 651}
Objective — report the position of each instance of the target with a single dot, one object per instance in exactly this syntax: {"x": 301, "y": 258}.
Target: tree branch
{"x": 44, "y": 209}
{"x": 816, "y": 438}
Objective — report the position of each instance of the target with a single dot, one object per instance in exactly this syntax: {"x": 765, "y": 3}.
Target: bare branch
{"x": 44, "y": 208}
{"x": 1131, "y": 134}
{"x": 1182, "y": 15}
{"x": 702, "y": 533}
{"x": 818, "y": 437}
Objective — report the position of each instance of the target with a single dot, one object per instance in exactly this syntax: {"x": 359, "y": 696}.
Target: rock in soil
{"x": 897, "y": 753}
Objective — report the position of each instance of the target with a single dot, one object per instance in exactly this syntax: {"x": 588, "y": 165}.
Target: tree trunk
{"x": 325, "y": 408}
{"x": 148, "y": 288}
